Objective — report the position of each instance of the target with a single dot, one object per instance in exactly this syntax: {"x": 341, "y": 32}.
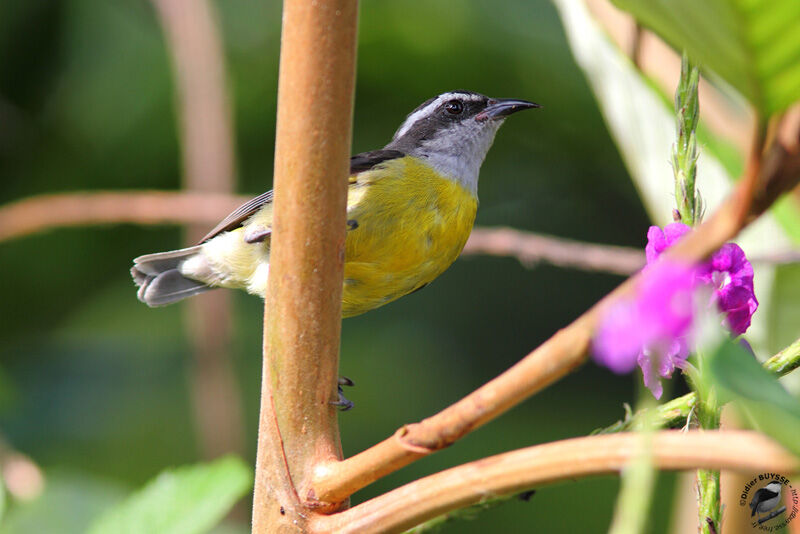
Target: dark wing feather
{"x": 763, "y": 494}
{"x": 358, "y": 163}
{"x": 239, "y": 215}
{"x": 367, "y": 160}
{"x": 755, "y": 501}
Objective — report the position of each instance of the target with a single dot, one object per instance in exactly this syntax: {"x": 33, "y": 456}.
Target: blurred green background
{"x": 94, "y": 386}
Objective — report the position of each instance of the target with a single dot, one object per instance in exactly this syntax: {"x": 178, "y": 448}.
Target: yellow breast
{"x": 412, "y": 223}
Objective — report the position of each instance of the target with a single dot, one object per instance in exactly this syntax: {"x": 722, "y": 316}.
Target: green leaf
{"x": 68, "y": 505}
{"x": 754, "y": 45}
{"x": 775, "y": 423}
{"x": 756, "y": 394}
{"x": 180, "y": 501}
{"x": 639, "y": 117}
{"x": 784, "y": 314}
{"x": 738, "y": 372}
{"x": 787, "y": 213}
{"x": 2, "y": 500}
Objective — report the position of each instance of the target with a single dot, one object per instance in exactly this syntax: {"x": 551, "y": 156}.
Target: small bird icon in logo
{"x": 765, "y": 499}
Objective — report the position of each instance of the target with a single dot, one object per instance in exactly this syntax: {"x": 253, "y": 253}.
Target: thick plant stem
{"x": 302, "y": 322}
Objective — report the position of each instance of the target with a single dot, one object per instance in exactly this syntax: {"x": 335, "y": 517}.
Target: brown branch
{"x": 198, "y": 65}
{"x": 529, "y": 248}
{"x": 208, "y": 165}
{"x": 302, "y": 319}
{"x": 40, "y": 213}
{"x": 772, "y": 514}
{"x": 752, "y": 173}
{"x": 515, "y": 471}
{"x": 562, "y": 353}
{"x": 44, "y": 212}
{"x": 636, "y": 45}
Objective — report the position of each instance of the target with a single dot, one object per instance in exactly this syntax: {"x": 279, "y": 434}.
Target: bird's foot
{"x": 343, "y": 403}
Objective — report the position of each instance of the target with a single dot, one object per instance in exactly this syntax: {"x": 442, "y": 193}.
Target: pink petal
{"x": 616, "y": 343}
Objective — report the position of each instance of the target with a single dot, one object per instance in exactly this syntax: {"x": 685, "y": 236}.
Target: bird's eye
{"x": 454, "y": 107}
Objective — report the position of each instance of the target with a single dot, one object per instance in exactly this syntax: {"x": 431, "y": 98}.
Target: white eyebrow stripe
{"x": 417, "y": 115}
{"x": 428, "y": 110}
{"x": 474, "y": 97}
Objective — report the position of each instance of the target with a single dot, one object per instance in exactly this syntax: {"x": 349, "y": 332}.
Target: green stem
{"x": 676, "y": 412}
{"x": 684, "y": 165}
{"x": 709, "y": 512}
{"x": 638, "y": 479}
{"x": 468, "y": 513}
{"x": 785, "y": 361}
{"x": 684, "y": 153}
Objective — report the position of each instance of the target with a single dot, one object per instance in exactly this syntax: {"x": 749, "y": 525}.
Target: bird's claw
{"x": 343, "y": 403}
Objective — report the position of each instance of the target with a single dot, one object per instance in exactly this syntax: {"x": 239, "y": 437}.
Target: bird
{"x": 410, "y": 209}
{"x": 765, "y": 499}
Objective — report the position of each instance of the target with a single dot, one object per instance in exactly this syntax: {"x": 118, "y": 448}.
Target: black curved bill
{"x": 503, "y": 107}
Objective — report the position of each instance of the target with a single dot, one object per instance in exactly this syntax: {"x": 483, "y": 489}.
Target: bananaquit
{"x": 410, "y": 210}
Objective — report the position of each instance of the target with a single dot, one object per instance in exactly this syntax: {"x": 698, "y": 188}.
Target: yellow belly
{"x": 410, "y": 230}
{"x": 412, "y": 225}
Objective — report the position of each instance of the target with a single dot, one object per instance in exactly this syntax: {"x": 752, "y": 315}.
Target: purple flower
{"x": 665, "y": 363}
{"x": 653, "y": 328}
{"x": 731, "y": 276}
{"x": 728, "y": 273}
{"x": 659, "y": 240}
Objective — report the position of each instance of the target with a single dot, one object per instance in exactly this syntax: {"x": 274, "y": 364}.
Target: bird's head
{"x": 774, "y": 487}
{"x": 453, "y": 132}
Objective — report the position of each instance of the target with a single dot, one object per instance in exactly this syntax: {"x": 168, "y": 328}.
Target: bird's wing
{"x": 367, "y": 160}
{"x": 763, "y": 494}
{"x": 358, "y": 164}
{"x": 754, "y": 502}
{"x": 239, "y": 215}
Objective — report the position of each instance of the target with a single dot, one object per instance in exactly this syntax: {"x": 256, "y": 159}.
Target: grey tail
{"x": 160, "y": 279}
